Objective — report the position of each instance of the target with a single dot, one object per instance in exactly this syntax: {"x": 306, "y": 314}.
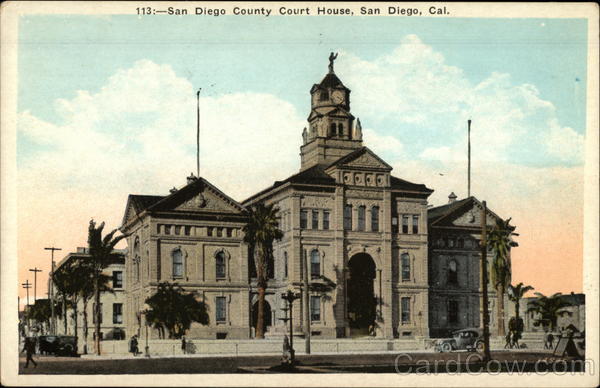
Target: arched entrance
{"x": 267, "y": 318}
{"x": 361, "y": 297}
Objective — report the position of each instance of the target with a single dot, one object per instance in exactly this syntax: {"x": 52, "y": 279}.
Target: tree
{"x": 100, "y": 255}
{"x": 549, "y": 308}
{"x": 75, "y": 280}
{"x": 500, "y": 241}
{"x": 172, "y": 309}
{"x": 40, "y": 312}
{"x": 516, "y": 293}
{"x": 259, "y": 233}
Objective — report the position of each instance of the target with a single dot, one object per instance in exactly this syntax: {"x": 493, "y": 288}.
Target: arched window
{"x": 220, "y": 268}
{"x": 405, "y": 263}
{"x": 332, "y": 130}
{"x": 315, "y": 264}
{"x": 177, "y": 258}
{"x": 340, "y": 129}
{"x": 375, "y": 218}
{"x": 452, "y": 272}
{"x": 361, "y": 218}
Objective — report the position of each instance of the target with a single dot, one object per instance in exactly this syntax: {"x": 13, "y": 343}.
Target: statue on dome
{"x": 332, "y": 58}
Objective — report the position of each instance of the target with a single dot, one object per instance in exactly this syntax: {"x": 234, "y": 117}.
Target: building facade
{"x": 357, "y": 234}
{"x": 112, "y": 303}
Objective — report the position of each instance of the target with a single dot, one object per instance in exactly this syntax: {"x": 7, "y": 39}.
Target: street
{"x": 327, "y": 363}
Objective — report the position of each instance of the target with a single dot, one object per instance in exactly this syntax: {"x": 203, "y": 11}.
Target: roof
{"x": 441, "y": 211}
{"x": 315, "y": 174}
{"x": 330, "y": 81}
{"x": 142, "y": 202}
{"x": 401, "y": 184}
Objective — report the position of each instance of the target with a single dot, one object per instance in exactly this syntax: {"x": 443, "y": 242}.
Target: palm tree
{"x": 500, "y": 241}
{"x": 100, "y": 253}
{"x": 516, "y": 293}
{"x": 172, "y": 309}
{"x": 259, "y": 233}
{"x": 549, "y": 308}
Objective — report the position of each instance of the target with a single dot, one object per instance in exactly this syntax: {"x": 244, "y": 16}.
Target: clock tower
{"x": 332, "y": 130}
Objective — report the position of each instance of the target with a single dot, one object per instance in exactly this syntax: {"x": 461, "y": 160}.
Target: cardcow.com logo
{"x": 474, "y": 364}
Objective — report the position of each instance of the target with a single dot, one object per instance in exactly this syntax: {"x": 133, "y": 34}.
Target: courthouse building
{"x": 361, "y": 234}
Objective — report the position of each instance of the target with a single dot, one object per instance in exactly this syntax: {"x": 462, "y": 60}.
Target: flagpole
{"x": 469, "y": 157}
{"x": 198, "y": 133}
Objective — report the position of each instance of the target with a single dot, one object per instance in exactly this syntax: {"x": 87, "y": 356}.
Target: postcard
{"x": 254, "y": 194}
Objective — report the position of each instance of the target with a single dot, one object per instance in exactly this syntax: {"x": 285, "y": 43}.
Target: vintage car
{"x": 61, "y": 345}
{"x": 466, "y": 339}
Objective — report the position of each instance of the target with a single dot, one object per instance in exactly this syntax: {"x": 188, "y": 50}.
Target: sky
{"x": 106, "y": 108}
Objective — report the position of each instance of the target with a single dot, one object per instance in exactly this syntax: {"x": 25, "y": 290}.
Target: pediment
{"x": 208, "y": 201}
{"x": 468, "y": 215}
{"x": 365, "y": 159}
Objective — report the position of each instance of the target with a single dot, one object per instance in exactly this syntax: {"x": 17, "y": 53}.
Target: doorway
{"x": 361, "y": 297}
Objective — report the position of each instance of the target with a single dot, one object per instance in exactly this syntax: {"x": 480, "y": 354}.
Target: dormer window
{"x": 340, "y": 129}
{"x": 324, "y": 96}
{"x": 332, "y": 131}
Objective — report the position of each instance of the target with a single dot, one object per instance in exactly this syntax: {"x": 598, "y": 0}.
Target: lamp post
{"x": 145, "y": 313}
{"x": 290, "y": 297}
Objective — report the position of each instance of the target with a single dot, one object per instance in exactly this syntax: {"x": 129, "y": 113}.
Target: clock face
{"x": 337, "y": 97}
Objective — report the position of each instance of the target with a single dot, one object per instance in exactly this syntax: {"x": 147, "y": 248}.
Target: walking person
{"x": 550, "y": 341}
{"x": 508, "y": 339}
{"x": 133, "y": 345}
{"x": 183, "y": 345}
{"x": 29, "y": 349}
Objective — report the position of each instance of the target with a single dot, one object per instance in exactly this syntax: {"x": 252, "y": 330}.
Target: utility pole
{"x": 306, "y": 302}
{"x": 484, "y": 287}
{"x": 53, "y": 324}
{"x": 27, "y": 286}
{"x": 35, "y": 270}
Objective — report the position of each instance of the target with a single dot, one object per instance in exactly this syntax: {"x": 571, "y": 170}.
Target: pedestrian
{"x": 133, "y": 345}
{"x": 183, "y": 345}
{"x": 29, "y": 349}
{"x": 550, "y": 341}
{"x": 508, "y": 338}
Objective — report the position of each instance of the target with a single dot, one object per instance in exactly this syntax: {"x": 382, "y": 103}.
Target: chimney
{"x": 191, "y": 179}
{"x": 174, "y": 189}
{"x": 452, "y": 197}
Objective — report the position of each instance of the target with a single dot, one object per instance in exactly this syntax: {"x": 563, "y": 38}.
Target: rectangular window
{"x": 375, "y": 218}
{"x": 394, "y": 224}
{"x": 405, "y": 309}
{"x": 315, "y": 219}
{"x": 326, "y": 220}
{"x": 315, "y": 308}
{"x": 361, "y": 218}
{"x": 303, "y": 219}
{"x": 285, "y": 265}
{"x": 221, "y": 309}
{"x": 158, "y": 227}
{"x": 405, "y": 224}
{"x": 94, "y": 313}
{"x": 177, "y": 230}
{"x": 415, "y": 224}
{"x": 348, "y": 217}
{"x": 209, "y": 231}
{"x": 117, "y": 279}
{"x": 405, "y": 258}
{"x": 315, "y": 264}
{"x": 188, "y": 230}
{"x": 219, "y": 232}
{"x": 117, "y": 313}
{"x": 452, "y": 311}
{"x": 167, "y": 229}
{"x": 229, "y": 232}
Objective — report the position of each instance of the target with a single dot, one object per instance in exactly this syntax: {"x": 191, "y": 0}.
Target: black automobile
{"x": 60, "y": 345}
{"x": 466, "y": 339}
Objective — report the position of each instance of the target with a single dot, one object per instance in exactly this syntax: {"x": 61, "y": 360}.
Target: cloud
{"x": 429, "y": 102}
